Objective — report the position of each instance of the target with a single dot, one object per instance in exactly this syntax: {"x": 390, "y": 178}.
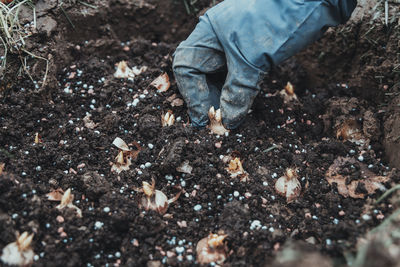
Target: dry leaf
{"x": 38, "y": 139}
{"x": 55, "y": 195}
{"x": 118, "y": 142}
{"x": 368, "y": 183}
{"x": 288, "y": 185}
{"x": 161, "y": 83}
{"x": 185, "y": 167}
{"x": 215, "y": 125}
{"x": 212, "y": 249}
{"x": 19, "y": 253}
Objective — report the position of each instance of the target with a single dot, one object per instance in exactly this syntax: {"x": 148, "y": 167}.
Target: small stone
{"x": 197, "y": 207}
{"x": 179, "y": 250}
{"x": 60, "y": 219}
{"x": 98, "y": 225}
{"x": 106, "y": 209}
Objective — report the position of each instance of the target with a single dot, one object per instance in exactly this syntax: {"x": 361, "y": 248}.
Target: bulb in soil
{"x": 288, "y": 94}
{"x": 168, "y": 119}
{"x": 124, "y": 72}
{"x": 161, "y": 83}
{"x": 66, "y": 202}
{"x": 215, "y": 125}
{"x": 351, "y": 131}
{"x": 212, "y": 249}
{"x": 235, "y": 169}
{"x": 125, "y": 155}
{"x": 38, "y": 139}
{"x": 288, "y": 185}
{"x": 155, "y": 199}
{"x": 19, "y": 253}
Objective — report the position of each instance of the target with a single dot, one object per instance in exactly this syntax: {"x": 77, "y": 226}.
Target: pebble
{"x": 135, "y": 102}
{"x": 256, "y": 224}
{"x": 236, "y": 194}
{"x": 366, "y": 217}
{"x": 197, "y": 207}
{"x": 147, "y": 164}
{"x": 38, "y": 168}
{"x": 360, "y": 158}
{"x": 106, "y": 209}
{"x": 179, "y": 250}
{"x": 98, "y": 225}
{"x": 151, "y": 146}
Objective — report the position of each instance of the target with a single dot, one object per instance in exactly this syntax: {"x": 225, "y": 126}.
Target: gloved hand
{"x": 242, "y": 40}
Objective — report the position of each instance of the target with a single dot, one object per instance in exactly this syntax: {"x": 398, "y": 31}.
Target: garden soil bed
{"x": 114, "y": 230}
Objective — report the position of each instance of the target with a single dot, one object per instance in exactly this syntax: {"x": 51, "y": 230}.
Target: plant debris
{"x": 88, "y": 122}
{"x": 212, "y": 249}
{"x": 55, "y": 195}
{"x": 125, "y": 155}
{"x": 168, "y": 119}
{"x": 124, "y": 72}
{"x": 235, "y": 169}
{"x": 66, "y": 202}
{"x": 215, "y": 125}
{"x": 288, "y": 185}
{"x": 19, "y": 253}
{"x": 354, "y": 179}
{"x": 185, "y": 167}
{"x": 155, "y": 199}
{"x": 161, "y": 83}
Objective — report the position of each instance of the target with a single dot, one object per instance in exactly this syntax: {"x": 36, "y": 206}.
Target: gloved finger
{"x": 240, "y": 89}
{"x": 190, "y": 66}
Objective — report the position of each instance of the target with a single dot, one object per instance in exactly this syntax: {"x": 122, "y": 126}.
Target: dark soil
{"x": 273, "y": 138}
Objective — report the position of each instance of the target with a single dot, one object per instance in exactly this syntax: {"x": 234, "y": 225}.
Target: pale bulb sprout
{"x": 125, "y": 155}
{"x": 19, "y": 253}
{"x": 66, "y": 202}
{"x": 212, "y": 249}
{"x": 154, "y": 199}
{"x": 288, "y": 185}
{"x": 124, "y": 72}
{"x": 288, "y": 94}
{"x": 235, "y": 169}
{"x": 168, "y": 119}
{"x": 216, "y": 125}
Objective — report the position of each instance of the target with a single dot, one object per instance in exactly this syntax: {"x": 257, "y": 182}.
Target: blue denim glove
{"x": 246, "y": 38}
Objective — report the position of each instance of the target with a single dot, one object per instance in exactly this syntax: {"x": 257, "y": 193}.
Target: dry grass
{"x": 13, "y": 35}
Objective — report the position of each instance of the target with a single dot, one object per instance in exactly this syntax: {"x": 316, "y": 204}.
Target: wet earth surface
{"x": 114, "y": 230}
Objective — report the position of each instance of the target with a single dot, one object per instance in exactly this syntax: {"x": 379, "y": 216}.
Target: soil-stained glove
{"x": 246, "y": 38}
